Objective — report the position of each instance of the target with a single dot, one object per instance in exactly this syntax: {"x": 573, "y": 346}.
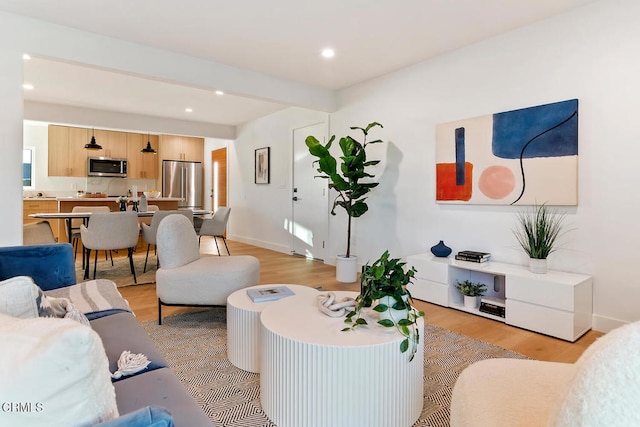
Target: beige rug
{"x": 120, "y": 272}
{"x": 195, "y": 347}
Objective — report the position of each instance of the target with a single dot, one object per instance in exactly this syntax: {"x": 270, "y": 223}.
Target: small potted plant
{"x": 383, "y": 286}
{"x": 537, "y": 232}
{"x": 122, "y": 201}
{"x": 471, "y": 291}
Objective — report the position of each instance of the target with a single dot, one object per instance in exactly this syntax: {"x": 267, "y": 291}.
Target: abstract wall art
{"x": 520, "y": 157}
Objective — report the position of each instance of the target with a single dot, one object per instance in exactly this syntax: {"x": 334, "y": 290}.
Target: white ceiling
{"x": 281, "y": 38}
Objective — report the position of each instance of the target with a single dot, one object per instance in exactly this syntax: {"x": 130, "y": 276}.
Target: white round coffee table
{"x": 313, "y": 374}
{"x": 243, "y": 325}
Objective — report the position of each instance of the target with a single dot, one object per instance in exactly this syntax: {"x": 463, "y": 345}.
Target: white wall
{"x": 590, "y": 54}
{"x": 261, "y": 212}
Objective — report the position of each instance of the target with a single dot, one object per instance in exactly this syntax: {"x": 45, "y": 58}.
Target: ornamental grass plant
{"x": 538, "y": 229}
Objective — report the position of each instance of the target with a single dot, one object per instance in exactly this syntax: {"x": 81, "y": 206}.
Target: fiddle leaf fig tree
{"x": 346, "y": 179}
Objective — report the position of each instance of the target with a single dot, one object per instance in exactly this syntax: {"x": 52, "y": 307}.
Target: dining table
{"x": 68, "y": 216}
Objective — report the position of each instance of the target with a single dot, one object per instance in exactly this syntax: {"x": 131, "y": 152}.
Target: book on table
{"x": 473, "y": 256}
{"x": 272, "y": 293}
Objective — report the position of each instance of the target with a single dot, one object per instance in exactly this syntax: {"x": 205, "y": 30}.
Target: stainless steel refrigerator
{"x": 183, "y": 180}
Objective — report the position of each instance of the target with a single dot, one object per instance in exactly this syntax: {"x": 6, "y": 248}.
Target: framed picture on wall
{"x": 262, "y": 165}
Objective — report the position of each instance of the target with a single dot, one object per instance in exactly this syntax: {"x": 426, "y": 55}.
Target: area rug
{"x": 120, "y": 272}
{"x": 195, "y": 346}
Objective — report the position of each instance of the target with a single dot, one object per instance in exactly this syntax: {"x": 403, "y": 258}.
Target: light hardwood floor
{"x": 282, "y": 268}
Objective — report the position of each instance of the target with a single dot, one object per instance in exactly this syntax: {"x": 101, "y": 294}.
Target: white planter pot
{"x": 346, "y": 269}
{"x": 538, "y": 266}
{"x": 470, "y": 302}
{"x": 392, "y": 314}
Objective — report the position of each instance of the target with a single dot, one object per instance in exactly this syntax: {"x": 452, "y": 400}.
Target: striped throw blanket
{"x": 92, "y": 296}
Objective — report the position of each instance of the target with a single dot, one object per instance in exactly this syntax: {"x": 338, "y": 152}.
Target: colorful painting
{"x": 520, "y": 157}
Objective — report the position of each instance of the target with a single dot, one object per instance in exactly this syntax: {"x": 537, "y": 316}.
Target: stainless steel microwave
{"x": 103, "y": 166}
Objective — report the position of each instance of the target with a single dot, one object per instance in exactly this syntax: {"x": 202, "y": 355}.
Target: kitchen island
{"x": 66, "y": 204}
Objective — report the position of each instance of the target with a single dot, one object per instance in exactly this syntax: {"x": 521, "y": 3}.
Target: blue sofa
{"x": 140, "y": 396}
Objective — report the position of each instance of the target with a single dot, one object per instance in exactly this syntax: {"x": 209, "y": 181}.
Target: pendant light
{"x": 93, "y": 145}
{"x": 148, "y": 148}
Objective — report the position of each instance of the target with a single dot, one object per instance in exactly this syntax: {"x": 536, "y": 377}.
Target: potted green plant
{"x": 383, "y": 285}
{"x": 471, "y": 291}
{"x": 537, "y": 232}
{"x": 346, "y": 180}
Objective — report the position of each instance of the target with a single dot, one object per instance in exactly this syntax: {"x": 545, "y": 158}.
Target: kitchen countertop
{"x": 98, "y": 199}
{"x": 113, "y": 199}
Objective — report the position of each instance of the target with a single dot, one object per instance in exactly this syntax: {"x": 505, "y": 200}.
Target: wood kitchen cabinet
{"x": 141, "y": 165}
{"x": 174, "y": 147}
{"x": 114, "y": 144}
{"x": 67, "y": 156}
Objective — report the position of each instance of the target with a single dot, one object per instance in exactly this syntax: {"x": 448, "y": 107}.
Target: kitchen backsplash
{"x": 109, "y": 186}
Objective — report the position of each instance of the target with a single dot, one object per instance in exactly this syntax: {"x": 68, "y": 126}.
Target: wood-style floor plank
{"x": 276, "y": 267}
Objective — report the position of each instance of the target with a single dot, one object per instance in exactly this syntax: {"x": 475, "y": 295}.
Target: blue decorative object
{"x": 441, "y": 250}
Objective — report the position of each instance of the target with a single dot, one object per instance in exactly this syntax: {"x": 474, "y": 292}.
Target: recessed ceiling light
{"x": 27, "y": 86}
{"x": 188, "y": 110}
{"x": 328, "y": 53}
{"x": 219, "y": 92}
{"x": 26, "y": 56}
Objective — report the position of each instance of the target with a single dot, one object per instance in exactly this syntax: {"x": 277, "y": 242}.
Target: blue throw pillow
{"x": 150, "y": 416}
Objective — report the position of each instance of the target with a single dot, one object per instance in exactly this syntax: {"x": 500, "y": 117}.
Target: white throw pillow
{"x": 20, "y": 297}
{"x": 54, "y": 373}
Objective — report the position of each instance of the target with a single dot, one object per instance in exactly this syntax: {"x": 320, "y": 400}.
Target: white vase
{"x": 470, "y": 302}
{"x": 538, "y": 266}
{"x": 346, "y": 269}
{"x": 393, "y": 314}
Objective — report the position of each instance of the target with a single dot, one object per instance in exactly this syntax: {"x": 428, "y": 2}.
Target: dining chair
{"x": 75, "y": 228}
{"x": 216, "y": 226}
{"x": 149, "y": 231}
{"x": 37, "y": 233}
{"x": 110, "y": 231}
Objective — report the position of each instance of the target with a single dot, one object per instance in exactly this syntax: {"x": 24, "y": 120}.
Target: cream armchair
{"x": 601, "y": 389}
{"x": 186, "y": 278}
{"x": 150, "y": 231}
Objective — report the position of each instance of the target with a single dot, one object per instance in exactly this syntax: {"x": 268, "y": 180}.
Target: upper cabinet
{"x": 141, "y": 165}
{"x": 114, "y": 144}
{"x": 67, "y": 156}
{"x": 187, "y": 148}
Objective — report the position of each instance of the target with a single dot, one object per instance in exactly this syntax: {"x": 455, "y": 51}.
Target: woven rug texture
{"x": 195, "y": 346}
{"x": 120, "y": 272}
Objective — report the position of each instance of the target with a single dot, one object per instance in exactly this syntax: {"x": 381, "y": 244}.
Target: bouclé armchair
{"x": 601, "y": 389}
{"x": 186, "y": 278}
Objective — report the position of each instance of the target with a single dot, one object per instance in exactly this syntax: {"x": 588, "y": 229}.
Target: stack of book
{"x": 473, "y": 256}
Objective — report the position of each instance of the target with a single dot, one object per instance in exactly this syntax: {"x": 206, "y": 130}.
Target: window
{"x": 27, "y": 167}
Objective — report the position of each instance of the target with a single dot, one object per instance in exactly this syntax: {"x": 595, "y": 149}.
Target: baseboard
{"x": 606, "y": 324}
{"x": 260, "y": 243}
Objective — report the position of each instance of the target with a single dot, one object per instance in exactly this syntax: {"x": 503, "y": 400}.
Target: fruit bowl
{"x": 152, "y": 194}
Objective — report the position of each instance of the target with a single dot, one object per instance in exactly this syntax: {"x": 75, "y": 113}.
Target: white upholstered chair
{"x": 77, "y": 222}
{"x": 149, "y": 231}
{"x": 37, "y": 233}
{"x": 186, "y": 278}
{"x": 601, "y": 389}
{"x": 110, "y": 231}
{"x": 215, "y": 226}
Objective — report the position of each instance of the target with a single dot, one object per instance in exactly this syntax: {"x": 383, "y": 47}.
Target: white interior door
{"x": 309, "y": 197}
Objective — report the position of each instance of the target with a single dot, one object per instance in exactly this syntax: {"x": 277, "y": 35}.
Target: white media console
{"x": 558, "y": 304}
